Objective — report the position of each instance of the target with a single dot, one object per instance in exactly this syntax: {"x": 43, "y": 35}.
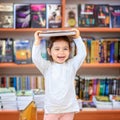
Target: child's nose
{"x": 61, "y": 51}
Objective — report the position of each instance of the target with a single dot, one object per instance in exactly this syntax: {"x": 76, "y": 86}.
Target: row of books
{"x": 91, "y": 15}
{"x": 30, "y": 15}
{"x": 104, "y": 50}
{"x": 86, "y": 88}
{"x": 12, "y": 100}
{"x": 22, "y": 82}
{"x": 107, "y": 102}
{"x": 18, "y": 51}
{"x": 39, "y": 15}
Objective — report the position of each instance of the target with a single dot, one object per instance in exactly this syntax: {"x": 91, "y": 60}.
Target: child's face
{"x": 60, "y": 51}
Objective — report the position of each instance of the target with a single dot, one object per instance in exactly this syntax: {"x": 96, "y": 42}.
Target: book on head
{"x": 49, "y": 33}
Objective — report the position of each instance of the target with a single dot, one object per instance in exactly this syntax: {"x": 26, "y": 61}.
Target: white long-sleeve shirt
{"x": 60, "y": 94}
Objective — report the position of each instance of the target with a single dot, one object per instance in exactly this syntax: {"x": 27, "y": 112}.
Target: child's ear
{"x": 48, "y": 50}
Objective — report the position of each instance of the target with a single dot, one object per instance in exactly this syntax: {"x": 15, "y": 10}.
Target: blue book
{"x": 43, "y": 46}
{"x": 115, "y": 16}
{"x": 15, "y": 82}
{"x": 106, "y": 87}
{"x": 112, "y": 52}
{"x": 22, "y": 51}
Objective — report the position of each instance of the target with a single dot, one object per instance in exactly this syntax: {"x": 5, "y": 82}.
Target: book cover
{"x": 22, "y": 51}
{"x": 6, "y": 15}
{"x": 86, "y": 15}
{"x": 2, "y": 82}
{"x": 88, "y": 106}
{"x": 21, "y": 15}
{"x": 97, "y": 86}
{"x": 88, "y": 44}
{"x": 82, "y": 87}
{"x": 38, "y": 15}
{"x": 54, "y": 16}
{"x": 116, "y": 51}
{"x": 115, "y": 16}
{"x": 102, "y": 87}
{"x": 102, "y": 15}
{"x": 71, "y": 15}
{"x": 110, "y": 86}
{"x": 94, "y": 86}
{"x": 106, "y": 87}
{"x": 92, "y": 57}
{"x": 119, "y": 51}
{"x": 2, "y": 46}
{"x": 6, "y": 50}
{"x": 43, "y": 47}
{"x": 77, "y": 86}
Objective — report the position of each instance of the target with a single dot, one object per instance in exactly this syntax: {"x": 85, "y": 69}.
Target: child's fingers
{"x": 36, "y": 35}
{"x": 77, "y": 33}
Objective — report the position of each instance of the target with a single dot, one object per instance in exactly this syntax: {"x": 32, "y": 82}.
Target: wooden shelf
{"x": 101, "y": 65}
{"x": 9, "y": 114}
{"x": 85, "y": 65}
{"x": 91, "y": 29}
{"x": 83, "y": 115}
{"x": 98, "y": 115}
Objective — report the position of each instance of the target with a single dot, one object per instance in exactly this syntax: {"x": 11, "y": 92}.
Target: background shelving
{"x": 103, "y": 69}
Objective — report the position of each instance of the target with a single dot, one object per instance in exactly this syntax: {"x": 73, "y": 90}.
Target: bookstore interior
{"x": 97, "y": 83}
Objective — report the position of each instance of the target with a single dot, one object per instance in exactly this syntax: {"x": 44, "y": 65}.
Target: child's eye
{"x": 57, "y": 49}
{"x": 65, "y": 48}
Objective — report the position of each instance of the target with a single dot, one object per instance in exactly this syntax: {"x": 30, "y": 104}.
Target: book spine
{"x": 119, "y": 51}
{"x": 112, "y": 49}
{"x": 116, "y": 51}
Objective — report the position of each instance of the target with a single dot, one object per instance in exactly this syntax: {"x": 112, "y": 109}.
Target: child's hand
{"x": 36, "y": 35}
{"x": 77, "y": 35}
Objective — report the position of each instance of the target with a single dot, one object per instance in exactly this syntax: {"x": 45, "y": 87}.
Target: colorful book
{"x": 6, "y": 15}
{"x": 71, "y": 15}
{"x": 6, "y": 50}
{"x": 88, "y": 106}
{"x": 112, "y": 53}
{"x": 54, "y": 17}
{"x": 115, "y": 16}
{"x": 77, "y": 86}
{"x": 102, "y": 15}
{"x": 119, "y": 51}
{"x": 2, "y": 49}
{"x": 38, "y": 15}
{"x": 43, "y": 47}
{"x": 86, "y": 15}
{"x": 21, "y": 15}
{"x": 22, "y": 51}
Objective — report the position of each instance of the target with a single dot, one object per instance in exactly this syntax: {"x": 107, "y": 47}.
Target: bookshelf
{"x": 94, "y": 29}
{"x": 84, "y": 115}
{"x": 102, "y": 69}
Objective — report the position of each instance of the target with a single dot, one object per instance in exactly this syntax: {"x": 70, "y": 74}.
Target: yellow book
{"x": 30, "y": 112}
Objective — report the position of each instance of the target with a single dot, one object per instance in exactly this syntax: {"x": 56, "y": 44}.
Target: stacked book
{"x": 39, "y": 97}
{"x": 8, "y": 99}
{"x": 24, "y": 97}
{"x": 88, "y": 106}
{"x": 102, "y": 102}
{"x": 115, "y": 101}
